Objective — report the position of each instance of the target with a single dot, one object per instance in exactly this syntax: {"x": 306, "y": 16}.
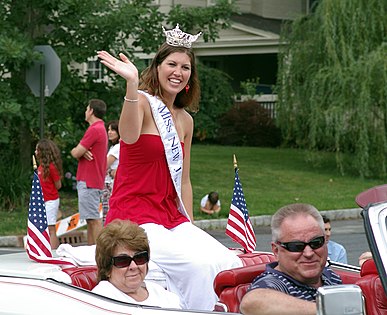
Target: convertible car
{"x": 28, "y": 287}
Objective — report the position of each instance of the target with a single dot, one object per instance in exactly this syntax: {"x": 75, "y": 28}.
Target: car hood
{"x": 20, "y": 265}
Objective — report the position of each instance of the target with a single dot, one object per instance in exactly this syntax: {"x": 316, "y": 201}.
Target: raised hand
{"x": 123, "y": 67}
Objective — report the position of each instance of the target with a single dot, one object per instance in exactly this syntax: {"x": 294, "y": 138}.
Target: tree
{"x": 216, "y": 99}
{"x": 332, "y": 84}
{"x": 76, "y": 30}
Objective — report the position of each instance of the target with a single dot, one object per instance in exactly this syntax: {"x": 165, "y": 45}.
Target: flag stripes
{"x": 239, "y": 227}
{"x": 38, "y": 245}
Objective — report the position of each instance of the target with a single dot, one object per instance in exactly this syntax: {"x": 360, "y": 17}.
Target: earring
{"x": 186, "y": 88}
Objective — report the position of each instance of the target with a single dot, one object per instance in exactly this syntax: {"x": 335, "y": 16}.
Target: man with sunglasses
{"x": 289, "y": 286}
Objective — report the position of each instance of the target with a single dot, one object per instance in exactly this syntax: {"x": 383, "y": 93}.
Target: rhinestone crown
{"x": 176, "y": 37}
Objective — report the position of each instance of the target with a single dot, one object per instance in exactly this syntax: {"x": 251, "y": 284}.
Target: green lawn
{"x": 270, "y": 178}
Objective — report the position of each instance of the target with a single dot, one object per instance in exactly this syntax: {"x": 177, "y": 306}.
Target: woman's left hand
{"x": 123, "y": 67}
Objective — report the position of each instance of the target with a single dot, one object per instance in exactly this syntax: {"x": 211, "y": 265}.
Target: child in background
{"x": 210, "y": 203}
{"x": 50, "y": 172}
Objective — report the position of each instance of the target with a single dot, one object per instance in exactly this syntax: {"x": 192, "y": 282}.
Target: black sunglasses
{"x": 123, "y": 261}
{"x": 298, "y": 246}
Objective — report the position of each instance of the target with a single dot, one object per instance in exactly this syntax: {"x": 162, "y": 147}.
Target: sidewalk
{"x": 78, "y": 237}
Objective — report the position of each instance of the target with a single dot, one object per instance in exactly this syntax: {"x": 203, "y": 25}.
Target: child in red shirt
{"x": 50, "y": 172}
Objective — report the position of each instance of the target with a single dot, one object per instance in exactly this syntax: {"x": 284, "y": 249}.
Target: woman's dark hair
{"x": 149, "y": 79}
{"x": 114, "y": 126}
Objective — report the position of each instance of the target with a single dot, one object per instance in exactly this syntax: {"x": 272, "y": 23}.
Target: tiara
{"x": 176, "y": 37}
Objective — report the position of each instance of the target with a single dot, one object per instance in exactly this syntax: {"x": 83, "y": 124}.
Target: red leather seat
{"x": 256, "y": 258}
{"x": 372, "y": 288}
{"x": 231, "y": 285}
{"x": 348, "y": 277}
{"x": 84, "y": 277}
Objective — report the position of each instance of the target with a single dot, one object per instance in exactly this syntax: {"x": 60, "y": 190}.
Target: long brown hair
{"x": 149, "y": 79}
{"x": 48, "y": 152}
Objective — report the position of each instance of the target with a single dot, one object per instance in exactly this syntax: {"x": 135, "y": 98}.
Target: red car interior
{"x": 373, "y": 292}
{"x": 231, "y": 285}
{"x": 83, "y": 277}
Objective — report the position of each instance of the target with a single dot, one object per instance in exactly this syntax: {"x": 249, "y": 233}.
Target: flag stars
{"x": 239, "y": 226}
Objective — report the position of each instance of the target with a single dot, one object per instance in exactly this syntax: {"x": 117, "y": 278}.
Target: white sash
{"x": 171, "y": 142}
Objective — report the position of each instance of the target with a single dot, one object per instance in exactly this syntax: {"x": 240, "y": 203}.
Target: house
{"x": 249, "y": 48}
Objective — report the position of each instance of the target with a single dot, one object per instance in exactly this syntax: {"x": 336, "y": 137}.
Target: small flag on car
{"x": 38, "y": 245}
{"x": 239, "y": 226}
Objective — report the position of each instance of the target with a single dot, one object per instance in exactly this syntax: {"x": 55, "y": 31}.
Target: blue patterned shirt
{"x": 277, "y": 280}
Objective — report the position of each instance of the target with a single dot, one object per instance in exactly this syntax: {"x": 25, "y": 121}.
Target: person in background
{"x": 364, "y": 257}
{"x": 91, "y": 155}
{"x": 210, "y": 203}
{"x": 336, "y": 251}
{"x": 122, "y": 256}
{"x": 50, "y": 172}
{"x": 289, "y": 286}
{"x": 111, "y": 164}
{"x": 152, "y": 186}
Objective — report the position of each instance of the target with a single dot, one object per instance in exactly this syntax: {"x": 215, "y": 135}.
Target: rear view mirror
{"x": 345, "y": 299}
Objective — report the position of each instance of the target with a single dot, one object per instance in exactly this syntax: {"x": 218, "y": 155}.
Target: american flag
{"x": 38, "y": 245}
{"x": 239, "y": 226}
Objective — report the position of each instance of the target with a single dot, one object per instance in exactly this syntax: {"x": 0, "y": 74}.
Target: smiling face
{"x": 305, "y": 266}
{"x": 174, "y": 73}
{"x": 112, "y": 134}
{"x": 128, "y": 279}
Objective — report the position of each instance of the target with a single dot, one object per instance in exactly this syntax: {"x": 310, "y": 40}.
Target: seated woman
{"x": 122, "y": 256}
{"x": 210, "y": 203}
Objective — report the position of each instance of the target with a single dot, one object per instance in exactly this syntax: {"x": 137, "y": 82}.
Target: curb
{"x": 77, "y": 237}
{"x": 265, "y": 220}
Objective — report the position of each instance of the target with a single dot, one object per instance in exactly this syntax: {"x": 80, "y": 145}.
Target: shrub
{"x": 15, "y": 185}
{"x": 248, "y": 124}
{"x": 216, "y": 99}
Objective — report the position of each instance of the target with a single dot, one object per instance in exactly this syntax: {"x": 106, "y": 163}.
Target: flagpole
{"x": 235, "y": 162}
{"x": 35, "y": 166}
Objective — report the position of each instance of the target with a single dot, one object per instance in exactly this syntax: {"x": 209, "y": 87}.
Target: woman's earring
{"x": 186, "y": 88}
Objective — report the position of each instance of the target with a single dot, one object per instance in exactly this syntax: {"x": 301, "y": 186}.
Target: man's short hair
{"x": 326, "y": 219}
{"x": 98, "y": 107}
{"x": 292, "y": 210}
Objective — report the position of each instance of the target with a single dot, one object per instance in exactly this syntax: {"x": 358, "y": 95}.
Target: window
{"x": 94, "y": 69}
